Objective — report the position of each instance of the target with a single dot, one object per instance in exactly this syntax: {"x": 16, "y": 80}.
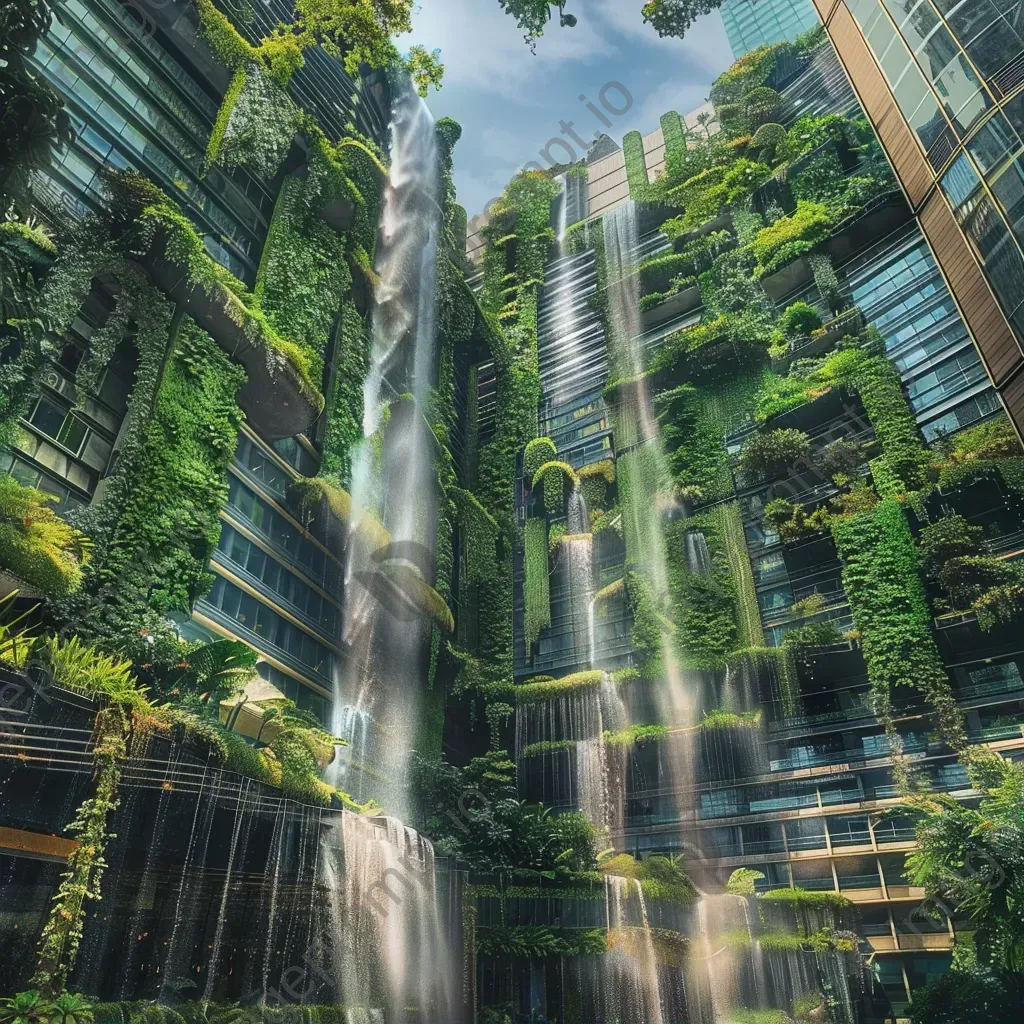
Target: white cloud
{"x": 482, "y": 47}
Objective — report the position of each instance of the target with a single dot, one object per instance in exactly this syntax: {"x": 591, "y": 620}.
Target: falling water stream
{"x": 392, "y": 477}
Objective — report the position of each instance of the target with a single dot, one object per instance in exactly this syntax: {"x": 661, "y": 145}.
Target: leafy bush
{"x": 789, "y": 237}
{"x": 771, "y": 454}
{"x": 36, "y": 545}
{"x": 800, "y": 319}
{"x": 950, "y": 537}
{"x": 840, "y": 459}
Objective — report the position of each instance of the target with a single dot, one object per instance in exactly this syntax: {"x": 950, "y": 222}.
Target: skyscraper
{"x": 941, "y": 82}
{"x": 753, "y": 23}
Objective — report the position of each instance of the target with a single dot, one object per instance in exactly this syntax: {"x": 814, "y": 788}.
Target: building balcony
{"x": 825, "y": 337}
{"x": 276, "y": 400}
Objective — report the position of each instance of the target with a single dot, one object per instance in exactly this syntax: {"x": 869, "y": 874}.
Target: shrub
{"x": 789, "y": 237}
{"x": 772, "y": 453}
{"x": 947, "y": 538}
{"x": 966, "y": 578}
{"x": 841, "y": 459}
{"x": 800, "y": 319}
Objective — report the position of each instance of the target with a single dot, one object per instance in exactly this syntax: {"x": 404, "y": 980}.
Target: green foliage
{"x": 159, "y": 520}
{"x": 950, "y": 537}
{"x": 34, "y": 121}
{"x": 807, "y": 899}
{"x": 636, "y": 735}
{"x": 530, "y": 693}
{"x": 799, "y": 319}
{"x": 674, "y": 17}
{"x": 771, "y": 454}
{"x": 990, "y": 897}
{"x": 789, "y": 237}
{"x": 186, "y": 249}
{"x": 639, "y": 477}
{"x": 659, "y": 877}
{"x": 537, "y": 453}
{"x": 537, "y": 941}
{"x": 424, "y": 67}
{"x": 720, "y": 719}
{"x": 499, "y": 832}
{"x": 768, "y": 138}
{"x": 255, "y": 124}
{"x": 741, "y": 882}
{"x": 62, "y": 933}
{"x": 640, "y": 188}
{"x": 536, "y": 587}
{"x": 594, "y": 481}
{"x": 882, "y": 580}
{"x": 36, "y": 545}
{"x": 649, "y": 626}
{"x": 303, "y": 272}
{"x": 840, "y": 460}
{"x": 704, "y": 603}
{"x": 713, "y": 190}
{"x": 533, "y": 15}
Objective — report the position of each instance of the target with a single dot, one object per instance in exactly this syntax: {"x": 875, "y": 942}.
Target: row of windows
{"x": 282, "y": 533}
{"x": 100, "y": 72}
{"x": 258, "y": 619}
{"x": 900, "y": 290}
{"x": 285, "y": 585}
{"x": 263, "y": 467}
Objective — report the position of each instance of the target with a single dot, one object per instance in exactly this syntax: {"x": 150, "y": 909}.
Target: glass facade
{"x": 140, "y": 98}
{"x": 898, "y": 287}
{"x": 753, "y": 23}
{"x": 278, "y": 588}
{"x": 955, "y": 68}
{"x": 134, "y": 105}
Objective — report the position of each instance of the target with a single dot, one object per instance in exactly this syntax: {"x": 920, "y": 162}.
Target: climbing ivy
{"x": 62, "y": 933}
{"x": 882, "y": 580}
{"x": 536, "y": 589}
{"x": 158, "y": 520}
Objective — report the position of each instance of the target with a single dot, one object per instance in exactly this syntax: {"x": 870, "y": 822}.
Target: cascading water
{"x": 392, "y": 478}
{"x": 384, "y": 924}
{"x": 384, "y": 932}
{"x": 643, "y": 480}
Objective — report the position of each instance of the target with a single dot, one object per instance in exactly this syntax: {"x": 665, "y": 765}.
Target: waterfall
{"x": 386, "y": 934}
{"x": 697, "y": 557}
{"x": 563, "y": 213}
{"x": 392, "y": 476}
{"x": 643, "y": 477}
{"x": 627, "y": 988}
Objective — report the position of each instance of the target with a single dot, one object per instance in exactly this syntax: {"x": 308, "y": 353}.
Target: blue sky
{"x": 510, "y": 102}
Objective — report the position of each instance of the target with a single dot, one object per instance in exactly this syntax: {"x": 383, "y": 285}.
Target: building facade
{"x": 753, "y": 23}
{"x": 941, "y": 83}
{"x": 143, "y": 95}
{"x": 810, "y": 814}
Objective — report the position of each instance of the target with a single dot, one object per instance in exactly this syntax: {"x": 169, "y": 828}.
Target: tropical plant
{"x": 36, "y": 545}
{"x": 26, "y": 1008}
{"x": 770, "y": 454}
{"x": 72, "y": 1008}
{"x": 970, "y": 862}
{"x": 212, "y": 672}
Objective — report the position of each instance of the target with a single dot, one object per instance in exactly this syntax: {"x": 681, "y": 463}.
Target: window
{"x": 60, "y": 424}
